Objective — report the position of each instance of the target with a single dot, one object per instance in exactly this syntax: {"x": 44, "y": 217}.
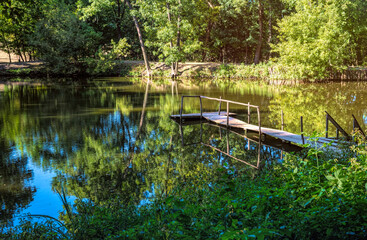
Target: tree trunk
{"x": 270, "y": 30}
{"x": 259, "y": 43}
{"x": 170, "y": 42}
{"x": 147, "y": 66}
{"x": 178, "y": 35}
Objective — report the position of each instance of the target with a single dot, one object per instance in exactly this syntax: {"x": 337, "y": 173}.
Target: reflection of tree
{"x": 15, "y": 195}
{"x": 129, "y": 156}
{"x": 311, "y": 102}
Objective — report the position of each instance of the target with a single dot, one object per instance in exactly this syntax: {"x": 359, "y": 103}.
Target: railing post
{"x": 282, "y": 116}
{"x": 220, "y": 105}
{"x": 227, "y": 114}
{"x": 259, "y": 120}
{"x": 201, "y": 109}
{"x": 182, "y": 98}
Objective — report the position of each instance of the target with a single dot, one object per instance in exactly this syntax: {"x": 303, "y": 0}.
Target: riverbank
{"x": 121, "y": 69}
{"x": 269, "y": 72}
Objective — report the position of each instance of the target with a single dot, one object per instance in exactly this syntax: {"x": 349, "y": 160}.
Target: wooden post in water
{"x": 303, "y": 138}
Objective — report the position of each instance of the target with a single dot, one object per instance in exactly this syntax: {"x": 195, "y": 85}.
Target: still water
{"x": 113, "y": 138}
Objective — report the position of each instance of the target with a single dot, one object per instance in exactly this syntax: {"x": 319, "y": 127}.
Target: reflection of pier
{"x": 225, "y": 119}
{"x": 264, "y": 150}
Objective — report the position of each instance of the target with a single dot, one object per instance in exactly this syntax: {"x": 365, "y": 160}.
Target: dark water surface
{"x": 112, "y": 138}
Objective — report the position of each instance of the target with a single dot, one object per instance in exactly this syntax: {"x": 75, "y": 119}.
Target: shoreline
{"x": 190, "y": 70}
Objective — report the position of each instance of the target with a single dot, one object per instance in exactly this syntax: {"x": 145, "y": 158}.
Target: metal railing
{"x": 220, "y": 100}
{"x": 338, "y": 127}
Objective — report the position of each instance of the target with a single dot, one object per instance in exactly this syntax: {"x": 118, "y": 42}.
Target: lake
{"x": 113, "y": 137}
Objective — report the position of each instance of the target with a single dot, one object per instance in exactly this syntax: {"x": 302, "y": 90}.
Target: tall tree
{"x": 146, "y": 62}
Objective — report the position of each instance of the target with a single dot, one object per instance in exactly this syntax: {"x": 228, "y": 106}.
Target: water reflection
{"x": 236, "y": 144}
{"x": 113, "y": 138}
{"x": 15, "y": 191}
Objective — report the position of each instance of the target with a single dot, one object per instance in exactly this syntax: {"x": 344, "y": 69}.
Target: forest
{"x": 305, "y": 39}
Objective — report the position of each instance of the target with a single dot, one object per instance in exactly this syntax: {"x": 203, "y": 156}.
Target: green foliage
{"x": 17, "y": 22}
{"x": 315, "y": 196}
{"x": 62, "y": 40}
{"x": 107, "y": 56}
{"x": 316, "y": 39}
{"x": 173, "y": 39}
{"x": 259, "y": 71}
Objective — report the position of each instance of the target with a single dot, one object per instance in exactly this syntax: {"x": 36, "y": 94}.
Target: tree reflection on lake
{"x": 113, "y": 138}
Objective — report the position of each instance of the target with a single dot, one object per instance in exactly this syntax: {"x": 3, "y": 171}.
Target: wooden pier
{"x": 227, "y": 119}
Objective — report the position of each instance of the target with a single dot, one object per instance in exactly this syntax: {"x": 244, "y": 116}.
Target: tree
{"x": 316, "y": 39}
{"x": 171, "y": 35}
{"x": 17, "y": 23}
{"x": 146, "y": 62}
{"x": 62, "y": 40}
